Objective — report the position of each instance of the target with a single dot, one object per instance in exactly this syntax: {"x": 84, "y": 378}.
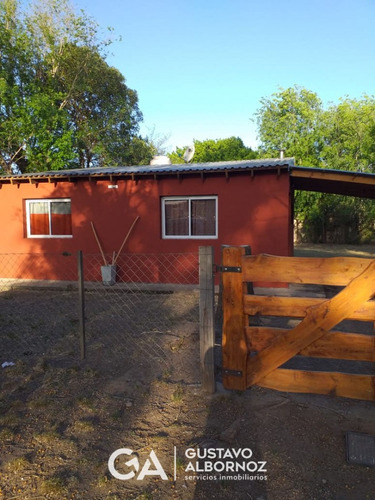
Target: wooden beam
{"x": 334, "y": 345}
{"x": 322, "y": 174}
{"x": 330, "y": 383}
{"x": 337, "y": 271}
{"x": 297, "y": 307}
{"x": 234, "y": 348}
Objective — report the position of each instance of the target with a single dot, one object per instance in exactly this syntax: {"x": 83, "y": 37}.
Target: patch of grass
{"x": 10, "y": 420}
{"x": 49, "y": 437}
{"x": 18, "y": 464}
{"x": 90, "y": 373}
{"x": 117, "y": 414}
{"x": 166, "y": 375}
{"x": 145, "y": 496}
{"x": 180, "y": 464}
{"x": 53, "y": 486}
{"x": 178, "y": 394}
{"x": 20, "y": 368}
{"x": 102, "y": 481}
{"x": 42, "y": 365}
{"x": 160, "y": 437}
{"x": 86, "y": 403}
{"x": 177, "y": 346}
{"x": 42, "y": 402}
{"x": 84, "y": 425}
{"x": 6, "y": 434}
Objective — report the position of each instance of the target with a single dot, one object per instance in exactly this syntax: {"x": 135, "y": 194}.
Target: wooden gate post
{"x": 234, "y": 347}
{"x": 206, "y": 318}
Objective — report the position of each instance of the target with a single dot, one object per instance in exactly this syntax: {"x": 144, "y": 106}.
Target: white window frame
{"x": 189, "y": 236}
{"x": 49, "y": 201}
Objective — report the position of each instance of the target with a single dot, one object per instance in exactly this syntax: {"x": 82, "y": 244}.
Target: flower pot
{"x": 108, "y": 274}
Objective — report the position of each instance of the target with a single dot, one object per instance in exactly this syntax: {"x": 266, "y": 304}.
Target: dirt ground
{"x": 61, "y": 419}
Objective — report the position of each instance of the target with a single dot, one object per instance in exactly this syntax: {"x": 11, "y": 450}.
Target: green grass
{"x": 326, "y": 250}
{"x": 53, "y": 486}
{"x": 18, "y": 464}
{"x": 178, "y": 394}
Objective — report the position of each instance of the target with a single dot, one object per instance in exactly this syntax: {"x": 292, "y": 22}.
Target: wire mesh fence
{"x": 144, "y": 311}
{"x": 141, "y": 313}
{"x": 37, "y": 311}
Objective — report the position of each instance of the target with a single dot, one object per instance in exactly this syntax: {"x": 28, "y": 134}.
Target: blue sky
{"x": 200, "y": 67}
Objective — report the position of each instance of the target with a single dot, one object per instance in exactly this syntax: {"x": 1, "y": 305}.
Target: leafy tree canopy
{"x": 290, "y": 120}
{"x": 210, "y": 150}
{"x": 61, "y": 104}
{"x": 339, "y": 137}
{"x": 348, "y": 133}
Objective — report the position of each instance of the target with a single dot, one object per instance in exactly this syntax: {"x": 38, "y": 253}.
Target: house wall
{"x": 252, "y": 210}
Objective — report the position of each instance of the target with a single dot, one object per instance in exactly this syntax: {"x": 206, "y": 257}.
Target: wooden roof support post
{"x": 234, "y": 347}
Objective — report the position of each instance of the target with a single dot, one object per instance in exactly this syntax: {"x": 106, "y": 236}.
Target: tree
{"x": 61, "y": 104}
{"x": 32, "y": 128}
{"x": 290, "y": 120}
{"x": 348, "y": 135}
{"x": 341, "y": 137}
{"x": 103, "y": 111}
{"x": 210, "y": 150}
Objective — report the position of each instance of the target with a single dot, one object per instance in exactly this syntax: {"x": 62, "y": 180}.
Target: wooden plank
{"x": 206, "y": 319}
{"x": 318, "y": 321}
{"x": 349, "y": 177}
{"x": 296, "y": 307}
{"x": 335, "y": 345}
{"x": 234, "y": 348}
{"x": 325, "y": 271}
{"x": 331, "y": 383}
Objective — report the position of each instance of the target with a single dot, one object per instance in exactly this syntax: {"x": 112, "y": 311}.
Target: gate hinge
{"x": 228, "y": 269}
{"x": 232, "y": 373}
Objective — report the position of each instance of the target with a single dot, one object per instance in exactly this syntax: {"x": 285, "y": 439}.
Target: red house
{"x": 180, "y": 208}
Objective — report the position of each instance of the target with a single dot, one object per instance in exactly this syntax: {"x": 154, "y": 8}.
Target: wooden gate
{"x": 253, "y": 354}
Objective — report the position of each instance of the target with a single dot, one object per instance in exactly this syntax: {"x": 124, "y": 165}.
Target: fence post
{"x": 81, "y": 304}
{"x": 234, "y": 346}
{"x": 206, "y": 318}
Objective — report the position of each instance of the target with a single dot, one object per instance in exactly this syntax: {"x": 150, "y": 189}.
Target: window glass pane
{"x": 49, "y": 218}
{"x": 60, "y": 207}
{"x": 39, "y": 219}
{"x": 39, "y": 207}
{"x": 176, "y": 217}
{"x": 203, "y": 217}
{"x": 61, "y": 222}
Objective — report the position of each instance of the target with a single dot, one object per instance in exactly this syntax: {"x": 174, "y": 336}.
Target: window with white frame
{"x": 189, "y": 217}
{"x": 49, "y": 218}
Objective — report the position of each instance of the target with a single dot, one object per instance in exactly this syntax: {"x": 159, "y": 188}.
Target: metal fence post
{"x": 81, "y": 305}
{"x": 206, "y": 318}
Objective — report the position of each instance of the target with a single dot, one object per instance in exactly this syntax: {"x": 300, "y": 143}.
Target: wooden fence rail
{"x": 254, "y": 354}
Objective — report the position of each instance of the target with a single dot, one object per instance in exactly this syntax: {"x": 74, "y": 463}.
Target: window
{"x": 48, "y": 218}
{"x": 189, "y": 217}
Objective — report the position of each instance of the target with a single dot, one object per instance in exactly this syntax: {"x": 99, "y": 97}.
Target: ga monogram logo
{"x": 134, "y": 466}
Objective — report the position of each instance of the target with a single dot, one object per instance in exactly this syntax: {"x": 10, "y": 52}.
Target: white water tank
{"x": 158, "y": 161}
